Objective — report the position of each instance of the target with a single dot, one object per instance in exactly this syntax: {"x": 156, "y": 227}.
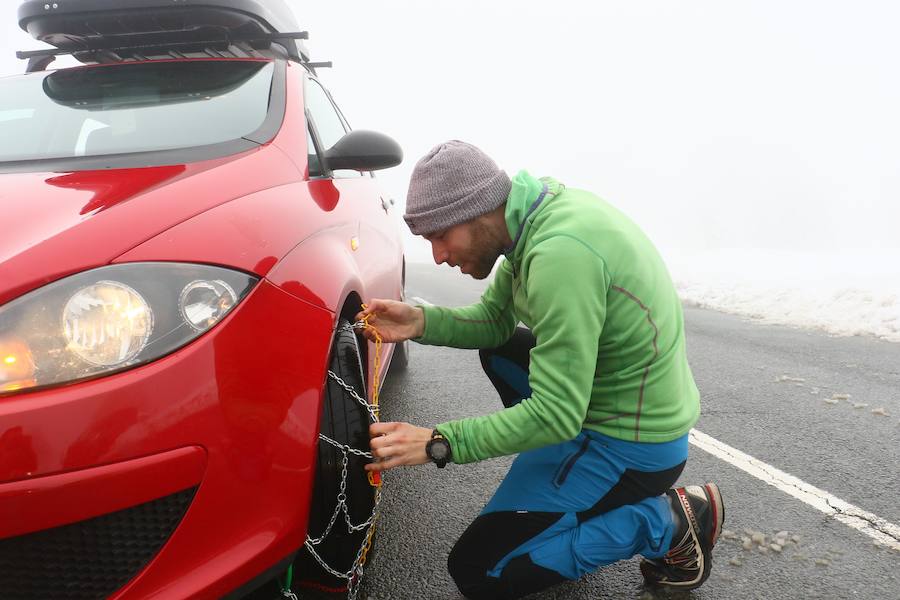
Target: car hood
{"x": 56, "y": 224}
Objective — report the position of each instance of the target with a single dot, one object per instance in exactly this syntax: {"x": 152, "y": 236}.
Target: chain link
{"x": 354, "y": 575}
{"x": 344, "y": 447}
{"x": 372, "y": 408}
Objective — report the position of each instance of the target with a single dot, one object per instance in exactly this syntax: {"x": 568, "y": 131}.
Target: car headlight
{"x": 112, "y": 318}
{"x": 205, "y": 302}
{"x": 107, "y": 323}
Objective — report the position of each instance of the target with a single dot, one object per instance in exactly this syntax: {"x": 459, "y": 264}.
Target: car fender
{"x": 322, "y": 269}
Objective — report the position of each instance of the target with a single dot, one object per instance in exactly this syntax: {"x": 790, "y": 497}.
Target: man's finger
{"x": 384, "y": 465}
{"x": 384, "y": 452}
{"x": 375, "y": 305}
{"x": 376, "y": 429}
{"x": 363, "y": 314}
{"x": 379, "y": 442}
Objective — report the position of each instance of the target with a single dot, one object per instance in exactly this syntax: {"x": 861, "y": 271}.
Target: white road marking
{"x": 880, "y": 530}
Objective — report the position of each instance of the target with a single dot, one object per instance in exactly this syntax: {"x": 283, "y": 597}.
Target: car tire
{"x": 346, "y": 421}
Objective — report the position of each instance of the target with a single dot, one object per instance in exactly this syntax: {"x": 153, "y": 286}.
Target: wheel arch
{"x": 351, "y": 305}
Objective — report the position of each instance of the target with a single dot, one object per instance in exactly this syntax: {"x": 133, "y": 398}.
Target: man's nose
{"x": 438, "y": 252}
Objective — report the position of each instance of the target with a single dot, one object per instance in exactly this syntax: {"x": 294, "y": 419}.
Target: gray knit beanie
{"x": 454, "y": 183}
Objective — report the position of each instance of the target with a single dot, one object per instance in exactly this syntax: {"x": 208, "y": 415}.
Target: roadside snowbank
{"x": 843, "y": 293}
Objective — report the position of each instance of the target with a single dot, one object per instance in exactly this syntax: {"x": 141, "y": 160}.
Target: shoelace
{"x": 685, "y": 555}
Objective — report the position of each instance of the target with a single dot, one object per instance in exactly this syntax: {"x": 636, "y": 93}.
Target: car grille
{"x": 89, "y": 559}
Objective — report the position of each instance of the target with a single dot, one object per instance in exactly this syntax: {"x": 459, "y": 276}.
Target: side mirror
{"x": 364, "y": 151}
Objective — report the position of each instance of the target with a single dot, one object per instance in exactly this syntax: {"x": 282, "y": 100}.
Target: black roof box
{"x": 77, "y": 25}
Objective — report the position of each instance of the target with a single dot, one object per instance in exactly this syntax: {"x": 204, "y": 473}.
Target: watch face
{"x": 439, "y": 450}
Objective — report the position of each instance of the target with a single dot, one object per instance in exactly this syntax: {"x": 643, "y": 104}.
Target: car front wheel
{"x": 343, "y": 500}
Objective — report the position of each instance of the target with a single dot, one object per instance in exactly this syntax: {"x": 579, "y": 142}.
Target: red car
{"x": 189, "y": 228}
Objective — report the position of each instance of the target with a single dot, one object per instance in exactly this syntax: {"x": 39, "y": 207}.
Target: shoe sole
{"x": 718, "y": 510}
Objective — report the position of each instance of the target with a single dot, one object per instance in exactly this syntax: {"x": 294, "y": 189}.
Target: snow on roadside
{"x": 848, "y": 293}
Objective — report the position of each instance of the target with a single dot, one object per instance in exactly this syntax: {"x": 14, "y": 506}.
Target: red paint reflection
{"x": 115, "y": 185}
{"x": 325, "y": 194}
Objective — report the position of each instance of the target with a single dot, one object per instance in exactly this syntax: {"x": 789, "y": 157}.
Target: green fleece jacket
{"x": 610, "y": 353}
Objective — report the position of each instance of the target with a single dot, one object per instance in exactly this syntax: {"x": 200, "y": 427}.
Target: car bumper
{"x": 208, "y": 453}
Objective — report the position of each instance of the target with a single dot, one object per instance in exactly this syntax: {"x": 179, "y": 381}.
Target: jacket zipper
{"x": 534, "y": 205}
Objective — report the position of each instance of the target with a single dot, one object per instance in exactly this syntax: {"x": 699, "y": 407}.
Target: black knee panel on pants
{"x": 522, "y": 577}
{"x": 487, "y": 540}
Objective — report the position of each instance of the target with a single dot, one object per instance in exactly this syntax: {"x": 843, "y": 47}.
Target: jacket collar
{"x": 526, "y": 196}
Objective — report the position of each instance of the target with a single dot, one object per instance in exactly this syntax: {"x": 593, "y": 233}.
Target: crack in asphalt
{"x": 877, "y": 524}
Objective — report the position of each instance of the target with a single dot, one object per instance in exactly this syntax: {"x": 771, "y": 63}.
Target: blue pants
{"x": 564, "y": 510}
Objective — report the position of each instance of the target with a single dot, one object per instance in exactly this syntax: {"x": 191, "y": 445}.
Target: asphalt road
{"x": 766, "y": 391}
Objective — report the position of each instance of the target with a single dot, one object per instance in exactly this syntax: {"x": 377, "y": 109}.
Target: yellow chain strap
{"x": 374, "y": 476}
{"x": 367, "y": 325}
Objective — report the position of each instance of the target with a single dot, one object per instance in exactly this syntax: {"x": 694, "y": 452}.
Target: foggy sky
{"x": 755, "y": 124}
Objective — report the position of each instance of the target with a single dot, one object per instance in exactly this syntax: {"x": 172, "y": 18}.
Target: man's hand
{"x": 395, "y": 321}
{"x": 397, "y": 444}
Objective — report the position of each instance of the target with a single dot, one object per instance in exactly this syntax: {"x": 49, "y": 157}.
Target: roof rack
{"x": 120, "y": 30}
{"x": 39, "y": 60}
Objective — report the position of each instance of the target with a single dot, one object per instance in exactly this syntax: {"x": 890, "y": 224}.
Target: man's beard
{"x": 486, "y": 249}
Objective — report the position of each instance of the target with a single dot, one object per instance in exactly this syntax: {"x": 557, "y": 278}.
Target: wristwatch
{"x": 438, "y": 449}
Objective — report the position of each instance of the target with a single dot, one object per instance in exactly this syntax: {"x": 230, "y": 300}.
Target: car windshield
{"x": 132, "y": 107}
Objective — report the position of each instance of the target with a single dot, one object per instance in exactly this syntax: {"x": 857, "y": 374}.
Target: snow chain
{"x": 354, "y": 575}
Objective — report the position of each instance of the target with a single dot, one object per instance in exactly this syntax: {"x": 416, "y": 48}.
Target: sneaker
{"x": 699, "y": 513}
